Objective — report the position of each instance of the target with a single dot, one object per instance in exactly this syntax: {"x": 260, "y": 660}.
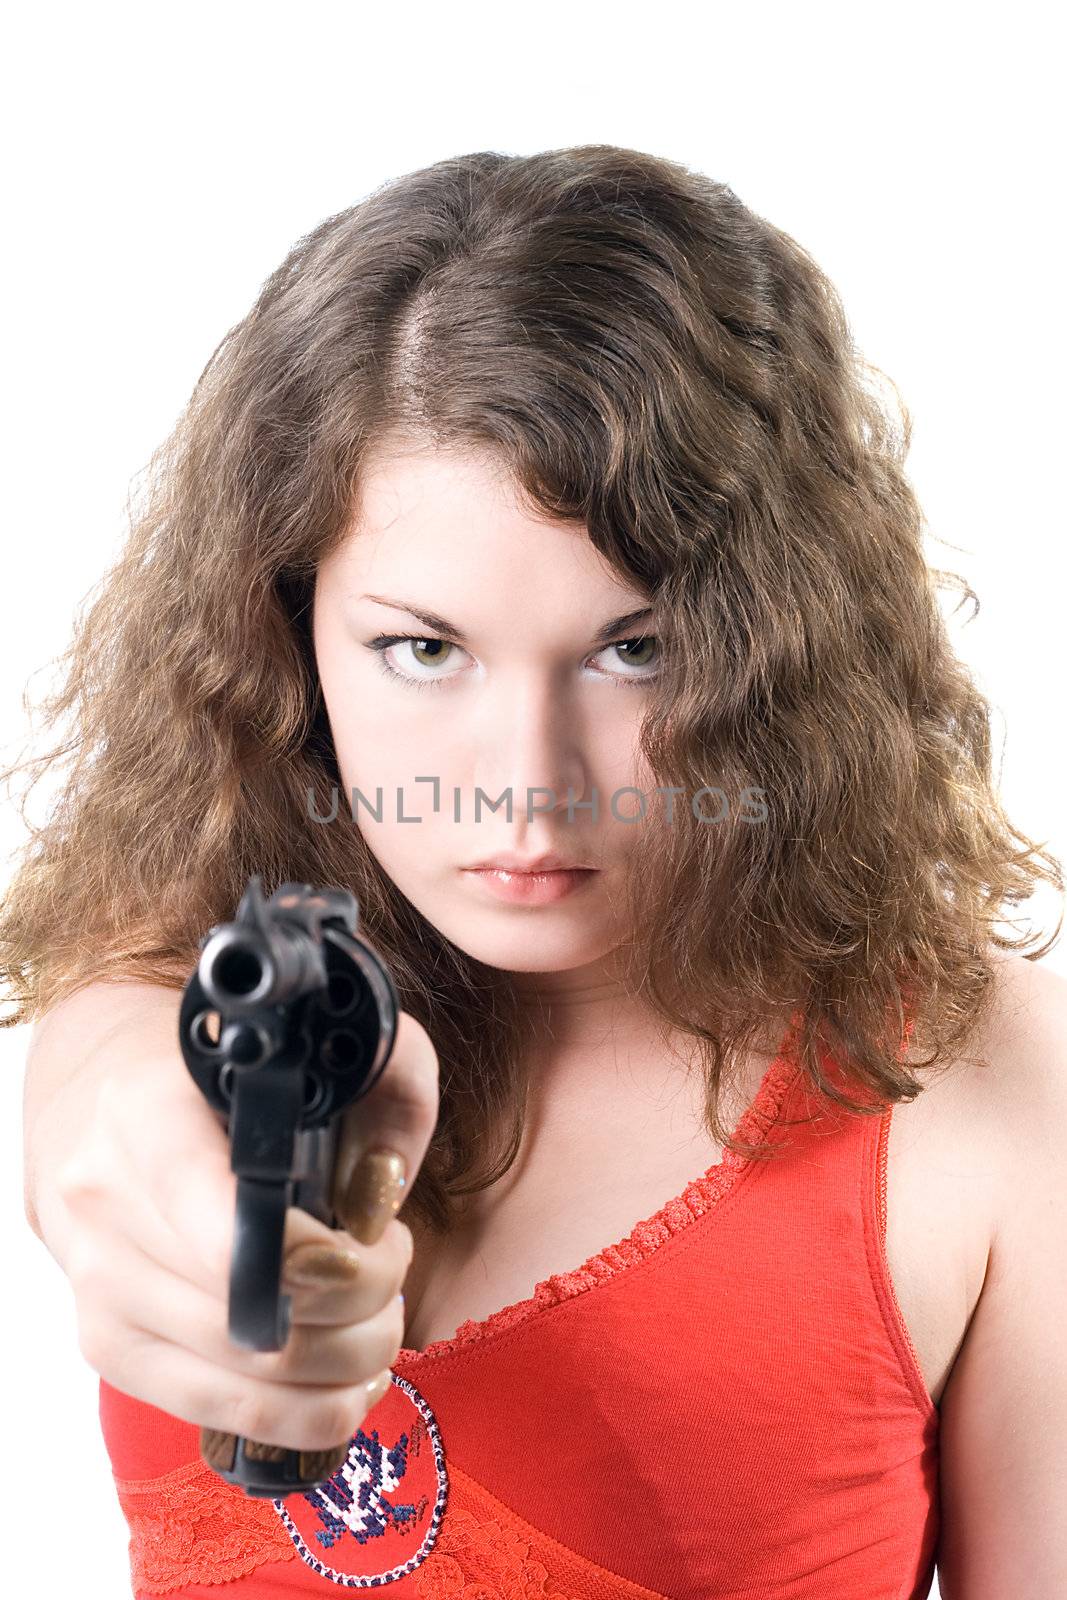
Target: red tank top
{"x": 725, "y": 1404}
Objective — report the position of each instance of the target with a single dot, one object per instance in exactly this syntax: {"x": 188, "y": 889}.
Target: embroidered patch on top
{"x": 376, "y": 1519}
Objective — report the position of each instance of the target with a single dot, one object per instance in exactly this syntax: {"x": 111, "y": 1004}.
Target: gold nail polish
{"x": 375, "y": 1194}
{"x": 321, "y": 1266}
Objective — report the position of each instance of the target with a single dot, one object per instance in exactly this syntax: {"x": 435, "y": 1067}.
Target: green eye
{"x": 637, "y": 650}
{"x": 435, "y": 651}
{"x": 639, "y": 654}
{"x": 438, "y": 650}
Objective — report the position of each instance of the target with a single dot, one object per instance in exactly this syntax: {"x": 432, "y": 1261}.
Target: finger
{"x": 381, "y": 1271}
{"x": 158, "y": 1305}
{"x": 185, "y": 1214}
{"x": 399, "y": 1113}
{"x": 186, "y": 1385}
{"x": 336, "y": 1295}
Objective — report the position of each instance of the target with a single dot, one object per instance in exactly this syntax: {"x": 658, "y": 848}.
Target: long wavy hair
{"x": 655, "y": 362}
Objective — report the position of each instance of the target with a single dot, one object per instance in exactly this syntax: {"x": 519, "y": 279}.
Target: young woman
{"x": 534, "y": 561}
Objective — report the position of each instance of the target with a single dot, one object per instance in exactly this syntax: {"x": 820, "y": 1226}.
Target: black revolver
{"x": 288, "y": 1017}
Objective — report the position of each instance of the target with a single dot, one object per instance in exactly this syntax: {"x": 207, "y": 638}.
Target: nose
{"x": 529, "y": 740}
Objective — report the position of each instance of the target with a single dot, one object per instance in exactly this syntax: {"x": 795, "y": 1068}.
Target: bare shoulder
{"x": 1030, "y": 999}
{"x": 1021, "y": 1061}
{"x": 1011, "y": 1081}
{"x": 1004, "y": 1408}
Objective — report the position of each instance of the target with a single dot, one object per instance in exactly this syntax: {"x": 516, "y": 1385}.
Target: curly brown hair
{"x": 655, "y": 362}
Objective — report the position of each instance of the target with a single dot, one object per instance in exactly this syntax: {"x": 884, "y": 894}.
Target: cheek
{"x": 380, "y": 741}
{"x": 375, "y": 750}
{"x": 619, "y": 759}
{"x": 381, "y": 754}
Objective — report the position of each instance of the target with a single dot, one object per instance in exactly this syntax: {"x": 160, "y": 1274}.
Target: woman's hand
{"x": 142, "y": 1221}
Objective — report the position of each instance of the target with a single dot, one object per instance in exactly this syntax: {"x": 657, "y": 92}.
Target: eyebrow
{"x": 437, "y": 624}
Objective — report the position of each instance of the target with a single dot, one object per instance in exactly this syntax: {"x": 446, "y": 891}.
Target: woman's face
{"x": 519, "y": 684}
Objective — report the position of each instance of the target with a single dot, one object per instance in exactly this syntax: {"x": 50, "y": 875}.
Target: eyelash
{"x": 385, "y": 641}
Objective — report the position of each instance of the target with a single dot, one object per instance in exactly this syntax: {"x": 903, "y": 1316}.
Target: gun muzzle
{"x": 241, "y": 970}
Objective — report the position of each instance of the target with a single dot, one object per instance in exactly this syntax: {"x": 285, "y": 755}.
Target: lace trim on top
{"x": 677, "y": 1214}
{"x": 191, "y": 1526}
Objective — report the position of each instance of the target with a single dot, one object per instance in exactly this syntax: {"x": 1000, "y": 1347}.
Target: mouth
{"x": 538, "y": 864}
{"x": 524, "y": 887}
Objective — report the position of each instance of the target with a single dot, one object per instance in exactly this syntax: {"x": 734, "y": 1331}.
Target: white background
{"x": 160, "y": 160}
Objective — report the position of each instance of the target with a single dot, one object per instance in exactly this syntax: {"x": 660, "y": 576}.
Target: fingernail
{"x": 375, "y": 1194}
{"x": 320, "y": 1266}
{"x": 380, "y": 1387}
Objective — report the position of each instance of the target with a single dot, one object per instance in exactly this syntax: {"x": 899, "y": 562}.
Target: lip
{"x": 532, "y": 888}
{"x": 508, "y": 862}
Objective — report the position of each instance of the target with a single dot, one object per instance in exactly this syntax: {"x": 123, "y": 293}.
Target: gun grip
{"x": 259, "y": 1313}
{"x": 259, "y": 1318}
{"x": 268, "y": 1470}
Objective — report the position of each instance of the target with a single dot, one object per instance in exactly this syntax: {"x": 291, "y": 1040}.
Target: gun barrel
{"x": 241, "y": 969}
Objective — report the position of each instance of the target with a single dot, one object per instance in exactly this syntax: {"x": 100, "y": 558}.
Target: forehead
{"x": 416, "y": 490}
{"x": 454, "y": 526}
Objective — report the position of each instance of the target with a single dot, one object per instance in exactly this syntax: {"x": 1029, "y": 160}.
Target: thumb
{"x": 396, "y": 1118}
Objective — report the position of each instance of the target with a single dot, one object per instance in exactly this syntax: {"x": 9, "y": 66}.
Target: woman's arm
{"x": 1004, "y": 1408}
{"x": 65, "y": 1063}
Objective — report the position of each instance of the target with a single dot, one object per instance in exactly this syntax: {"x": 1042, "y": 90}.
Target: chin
{"x": 530, "y": 944}
{"x": 530, "y": 953}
